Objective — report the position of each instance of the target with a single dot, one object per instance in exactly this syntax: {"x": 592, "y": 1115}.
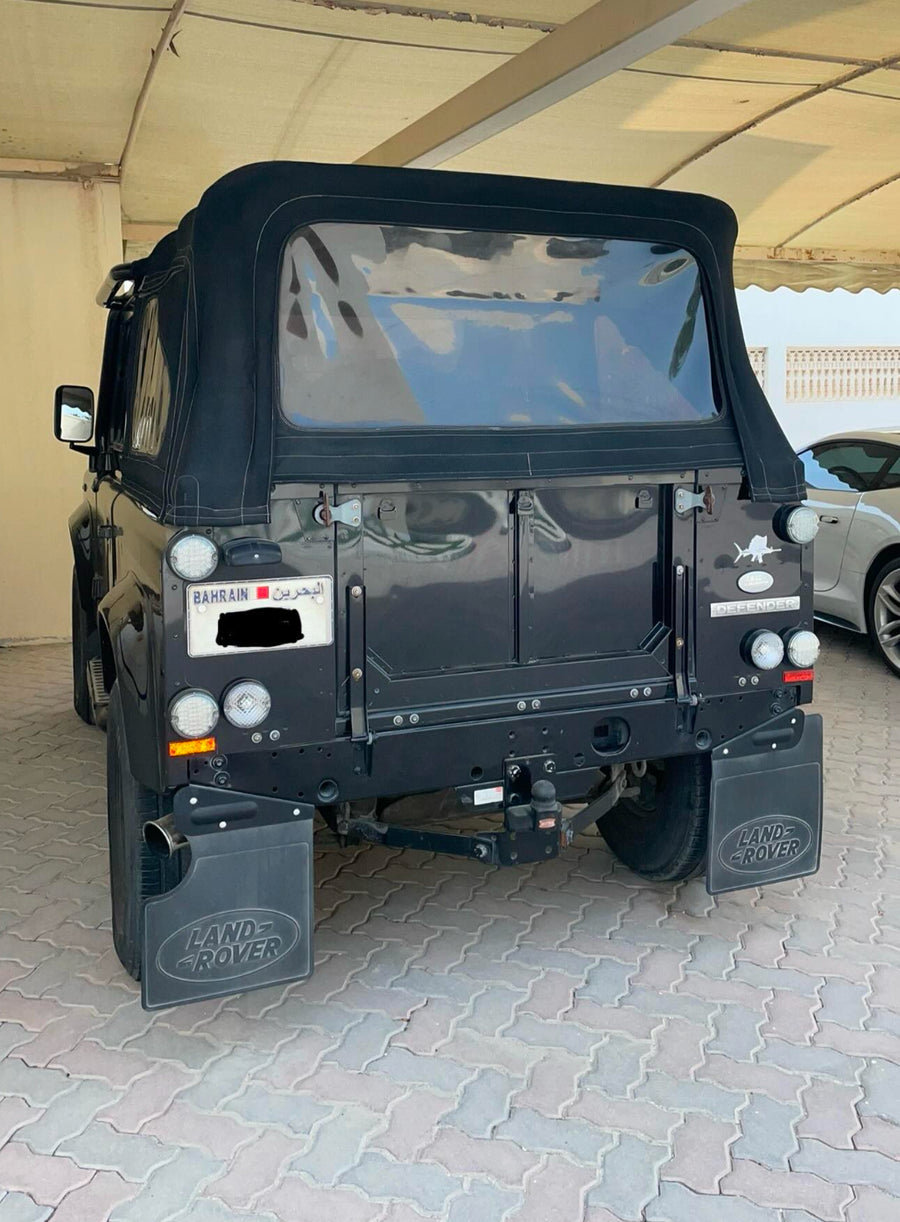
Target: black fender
{"x": 131, "y": 635}
{"x": 82, "y": 528}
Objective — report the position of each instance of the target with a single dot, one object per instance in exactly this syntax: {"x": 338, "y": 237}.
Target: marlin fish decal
{"x": 757, "y": 549}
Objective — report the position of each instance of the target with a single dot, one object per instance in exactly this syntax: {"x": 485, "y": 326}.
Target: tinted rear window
{"x": 394, "y": 326}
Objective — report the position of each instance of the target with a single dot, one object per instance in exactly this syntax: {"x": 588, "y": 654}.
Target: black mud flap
{"x": 242, "y": 916}
{"x": 765, "y": 817}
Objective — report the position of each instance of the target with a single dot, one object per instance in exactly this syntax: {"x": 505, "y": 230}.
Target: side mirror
{"x": 73, "y": 414}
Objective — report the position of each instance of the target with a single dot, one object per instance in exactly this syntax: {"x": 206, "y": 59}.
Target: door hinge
{"x": 108, "y": 531}
{"x": 524, "y": 503}
{"x": 348, "y": 513}
{"x": 687, "y": 501}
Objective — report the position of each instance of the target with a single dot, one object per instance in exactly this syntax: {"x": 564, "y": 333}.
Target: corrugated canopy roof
{"x": 788, "y": 109}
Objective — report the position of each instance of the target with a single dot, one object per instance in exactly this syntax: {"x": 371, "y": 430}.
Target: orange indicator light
{"x": 192, "y": 746}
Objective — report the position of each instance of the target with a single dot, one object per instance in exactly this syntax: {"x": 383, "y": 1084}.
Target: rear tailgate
{"x": 473, "y": 596}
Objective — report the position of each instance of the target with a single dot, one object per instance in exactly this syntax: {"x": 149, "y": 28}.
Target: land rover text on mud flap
{"x": 418, "y": 483}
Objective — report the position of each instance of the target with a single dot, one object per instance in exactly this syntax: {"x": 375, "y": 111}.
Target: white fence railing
{"x": 841, "y": 373}
{"x": 759, "y": 360}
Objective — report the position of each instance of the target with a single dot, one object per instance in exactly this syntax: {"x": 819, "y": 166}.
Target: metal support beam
{"x": 169, "y": 30}
{"x": 57, "y": 171}
{"x": 605, "y": 38}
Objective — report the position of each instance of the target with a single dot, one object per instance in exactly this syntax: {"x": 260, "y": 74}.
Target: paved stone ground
{"x": 559, "y": 1043}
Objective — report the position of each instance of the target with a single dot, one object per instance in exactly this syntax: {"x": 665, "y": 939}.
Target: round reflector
{"x": 801, "y": 525}
{"x": 246, "y": 704}
{"x": 193, "y": 714}
{"x": 193, "y": 557}
{"x": 803, "y": 648}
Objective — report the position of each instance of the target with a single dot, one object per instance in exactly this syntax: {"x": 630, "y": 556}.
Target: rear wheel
{"x": 81, "y": 696}
{"x": 661, "y": 833}
{"x": 883, "y": 613}
{"x": 135, "y": 873}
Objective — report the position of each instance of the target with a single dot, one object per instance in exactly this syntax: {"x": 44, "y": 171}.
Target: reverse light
{"x": 193, "y": 557}
{"x": 193, "y": 714}
{"x": 246, "y": 704}
{"x": 800, "y": 525}
{"x": 802, "y": 648}
{"x": 764, "y": 649}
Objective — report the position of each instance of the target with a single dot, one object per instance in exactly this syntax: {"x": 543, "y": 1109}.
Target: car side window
{"x": 844, "y": 466}
{"x": 152, "y": 391}
{"x": 890, "y": 477}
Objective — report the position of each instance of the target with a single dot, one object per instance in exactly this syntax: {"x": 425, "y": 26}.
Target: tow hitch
{"x": 241, "y": 918}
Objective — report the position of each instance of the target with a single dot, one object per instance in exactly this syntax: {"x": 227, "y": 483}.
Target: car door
{"x": 837, "y": 475}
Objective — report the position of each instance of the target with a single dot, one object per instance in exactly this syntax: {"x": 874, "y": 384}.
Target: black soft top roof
{"x": 216, "y": 279}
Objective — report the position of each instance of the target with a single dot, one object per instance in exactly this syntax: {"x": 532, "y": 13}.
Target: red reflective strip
{"x": 262, "y": 591}
{"x": 798, "y": 676}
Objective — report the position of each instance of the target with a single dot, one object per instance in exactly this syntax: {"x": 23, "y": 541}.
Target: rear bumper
{"x": 465, "y": 755}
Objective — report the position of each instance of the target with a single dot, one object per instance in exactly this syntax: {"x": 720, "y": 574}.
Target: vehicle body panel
{"x": 858, "y": 532}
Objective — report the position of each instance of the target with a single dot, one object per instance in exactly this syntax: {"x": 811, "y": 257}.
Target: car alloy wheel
{"x": 886, "y": 616}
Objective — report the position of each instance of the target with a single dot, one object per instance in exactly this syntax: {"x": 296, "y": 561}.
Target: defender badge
{"x": 757, "y": 549}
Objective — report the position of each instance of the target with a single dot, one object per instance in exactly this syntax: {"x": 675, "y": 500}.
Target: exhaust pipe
{"x": 163, "y": 838}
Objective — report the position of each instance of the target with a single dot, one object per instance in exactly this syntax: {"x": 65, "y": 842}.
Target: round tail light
{"x": 802, "y": 648}
{"x": 764, "y": 649}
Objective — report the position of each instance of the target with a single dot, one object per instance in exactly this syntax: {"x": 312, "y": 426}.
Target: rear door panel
{"x": 476, "y": 595}
{"x": 591, "y": 553}
{"x": 438, "y": 579}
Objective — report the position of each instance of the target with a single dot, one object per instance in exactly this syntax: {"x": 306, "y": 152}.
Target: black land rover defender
{"x": 407, "y": 482}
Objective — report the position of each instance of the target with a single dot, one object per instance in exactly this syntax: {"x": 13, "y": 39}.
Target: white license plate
{"x": 209, "y": 603}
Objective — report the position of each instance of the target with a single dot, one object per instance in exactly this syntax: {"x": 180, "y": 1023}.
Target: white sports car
{"x": 853, "y": 482}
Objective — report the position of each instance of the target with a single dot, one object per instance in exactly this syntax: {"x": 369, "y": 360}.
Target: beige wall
{"x": 57, "y": 241}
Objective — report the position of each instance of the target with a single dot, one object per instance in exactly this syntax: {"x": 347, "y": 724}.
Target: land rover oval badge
{"x": 762, "y": 845}
{"x": 755, "y": 582}
{"x": 228, "y": 944}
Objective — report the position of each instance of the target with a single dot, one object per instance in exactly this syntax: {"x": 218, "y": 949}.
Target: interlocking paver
{"x": 767, "y": 1132}
{"x": 701, "y": 1153}
{"x": 96, "y": 1200}
{"x": 18, "y": 1207}
{"x": 630, "y": 1176}
{"x": 553, "y": 1082}
{"x": 830, "y": 1114}
{"x": 555, "y": 1193}
{"x": 411, "y": 1121}
{"x": 336, "y": 1144}
{"x": 103, "y": 1148}
{"x": 787, "y": 1189}
{"x": 848, "y": 1166}
{"x": 295, "y": 1200}
{"x": 627, "y": 1047}
{"x": 483, "y": 1103}
{"x": 532, "y": 1131}
{"x": 151, "y": 1098}
{"x": 68, "y": 1115}
{"x": 43, "y": 1178}
{"x": 253, "y": 1169}
{"x": 460, "y": 1154}
{"x": 169, "y": 1190}
{"x": 424, "y": 1184}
